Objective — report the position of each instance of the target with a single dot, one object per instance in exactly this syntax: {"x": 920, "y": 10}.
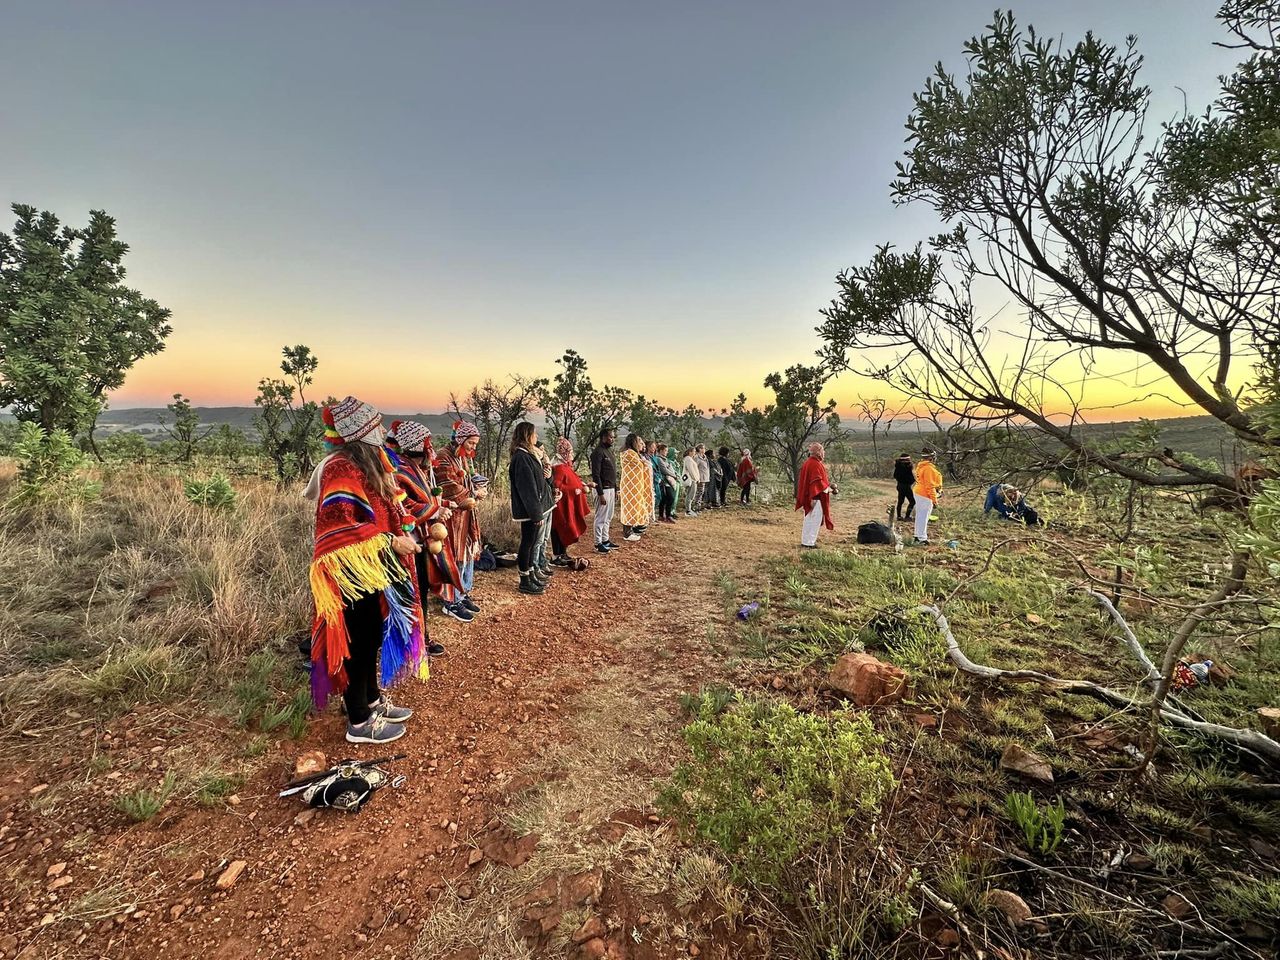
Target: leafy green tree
{"x": 1035, "y": 159}
{"x": 567, "y": 396}
{"x": 288, "y": 424}
{"x": 128, "y": 446}
{"x": 781, "y": 431}
{"x": 609, "y": 407}
{"x": 185, "y": 428}
{"x": 69, "y": 328}
{"x": 230, "y": 442}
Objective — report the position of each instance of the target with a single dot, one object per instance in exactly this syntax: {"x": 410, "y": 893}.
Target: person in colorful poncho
{"x": 635, "y": 488}
{"x": 455, "y": 472}
{"x": 813, "y": 496}
{"x": 747, "y": 475}
{"x": 569, "y": 519}
{"x": 362, "y": 577}
{"x": 411, "y": 454}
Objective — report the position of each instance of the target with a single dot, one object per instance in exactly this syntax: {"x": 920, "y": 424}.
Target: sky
{"x": 429, "y": 194}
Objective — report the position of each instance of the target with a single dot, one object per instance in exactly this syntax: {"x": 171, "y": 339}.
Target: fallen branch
{"x": 1251, "y": 741}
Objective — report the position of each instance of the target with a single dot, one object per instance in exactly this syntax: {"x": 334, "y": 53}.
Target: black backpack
{"x": 874, "y": 532}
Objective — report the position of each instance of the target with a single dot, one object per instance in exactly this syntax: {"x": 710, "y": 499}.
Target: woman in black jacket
{"x": 905, "y": 475}
{"x": 727, "y": 473}
{"x": 531, "y": 499}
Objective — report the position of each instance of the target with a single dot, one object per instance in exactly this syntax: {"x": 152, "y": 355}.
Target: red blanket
{"x": 746, "y": 472}
{"x": 814, "y": 486}
{"x": 569, "y": 519}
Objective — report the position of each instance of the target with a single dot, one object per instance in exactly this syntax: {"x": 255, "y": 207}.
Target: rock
{"x": 947, "y": 938}
{"x": 1221, "y": 675}
{"x": 1019, "y": 759}
{"x": 196, "y": 877}
{"x": 474, "y": 857}
{"x": 1139, "y": 861}
{"x": 511, "y": 851}
{"x": 1035, "y": 619}
{"x": 47, "y": 919}
{"x": 312, "y": 761}
{"x": 38, "y": 789}
{"x": 593, "y": 949}
{"x": 230, "y": 875}
{"x": 176, "y": 911}
{"x": 466, "y": 892}
{"x": 582, "y": 888}
{"x": 867, "y": 680}
{"x": 778, "y": 683}
{"x": 56, "y": 869}
{"x": 925, "y": 721}
{"x": 305, "y": 817}
{"x": 694, "y": 950}
{"x": 1011, "y": 905}
{"x": 1178, "y": 906}
{"x": 58, "y": 883}
{"x": 592, "y": 928}
{"x": 1269, "y": 717}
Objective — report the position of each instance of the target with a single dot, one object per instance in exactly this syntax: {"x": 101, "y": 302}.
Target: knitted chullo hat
{"x": 564, "y": 449}
{"x": 412, "y": 436}
{"x": 462, "y": 429}
{"x": 352, "y": 420}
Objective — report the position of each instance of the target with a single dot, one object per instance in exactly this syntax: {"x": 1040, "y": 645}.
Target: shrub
{"x": 49, "y": 466}
{"x": 143, "y": 804}
{"x": 216, "y": 492}
{"x": 768, "y": 783}
{"x": 1041, "y": 826}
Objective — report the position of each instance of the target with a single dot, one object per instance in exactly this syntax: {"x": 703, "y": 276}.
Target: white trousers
{"x": 812, "y": 524}
{"x": 604, "y": 514}
{"x": 924, "y": 507}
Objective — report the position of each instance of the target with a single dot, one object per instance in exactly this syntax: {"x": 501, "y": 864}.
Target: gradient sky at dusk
{"x": 428, "y": 194}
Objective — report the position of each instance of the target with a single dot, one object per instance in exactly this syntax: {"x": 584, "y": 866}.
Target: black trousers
{"x": 905, "y": 495}
{"x": 667, "y": 503}
{"x": 746, "y": 492}
{"x": 364, "y": 630}
{"x": 529, "y": 534}
{"x": 557, "y": 545}
{"x": 724, "y": 488}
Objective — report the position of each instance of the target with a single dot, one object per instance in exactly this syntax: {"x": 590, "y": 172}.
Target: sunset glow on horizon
{"x": 429, "y": 195}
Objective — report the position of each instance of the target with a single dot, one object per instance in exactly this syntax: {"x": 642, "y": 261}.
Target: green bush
{"x": 768, "y": 783}
{"x": 49, "y": 466}
{"x": 216, "y": 492}
{"x": 1041, "y": 826}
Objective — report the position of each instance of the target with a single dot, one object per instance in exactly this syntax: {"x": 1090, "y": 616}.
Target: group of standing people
{"x": 646, "y": 482}
{"x": 395, "y": 520}
{"x": 397, "y": 524}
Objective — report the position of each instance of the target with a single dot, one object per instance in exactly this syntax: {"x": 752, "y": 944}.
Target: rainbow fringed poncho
{"x": 353, "y": 557}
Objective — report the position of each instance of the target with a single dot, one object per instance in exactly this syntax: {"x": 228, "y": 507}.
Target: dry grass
{"x": 496, "y": 525}
{"x": 141, "y": 596}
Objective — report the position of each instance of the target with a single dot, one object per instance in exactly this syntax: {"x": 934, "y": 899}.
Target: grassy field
{"x": 1096, "y": 854}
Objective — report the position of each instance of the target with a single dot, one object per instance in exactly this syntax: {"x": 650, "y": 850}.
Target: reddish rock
{"x": 925, "y": 721}
{"x": 1178, "y": 906}
{"x": 867, "y": 680}
{"x": 582, "y": 888}
{"x": 1010, "y": 904}
{"x": 593, "y": 927}
{"x": 230, "y": 875}
{"x": 313, "y": 761}
{"x": 1270, "y": 719}
{"x": 593, "y": 949}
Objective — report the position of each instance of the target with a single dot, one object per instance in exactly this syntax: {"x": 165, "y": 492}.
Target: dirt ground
{"x": 525, "y": 827}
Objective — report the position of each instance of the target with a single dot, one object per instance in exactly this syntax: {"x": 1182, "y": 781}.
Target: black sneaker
{"x": 611, "y": 545}
{"x": 470, "y": 604}
{"x": 601, "y": 548}
{"x": 458, "y": 612}
{"x": 435, "y": 649}
{"x": 562, "y": 561}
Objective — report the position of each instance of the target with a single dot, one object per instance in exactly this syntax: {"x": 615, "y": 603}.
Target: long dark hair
{"x": 367, "y": 457}
{"x": 522, "y": 438}
{"x": 634, "y": 442}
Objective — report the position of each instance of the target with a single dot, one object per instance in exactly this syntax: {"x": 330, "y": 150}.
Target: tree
{"x": 495, "y": 410}
{"x": 69, "y": 328}
{"x": 609, "y": 407}
{"x": 1036, "y": 161}
{"x": 288, "y": 424}
{"x": 185, "y": 430}
{"x": 872, "y": 410}
{"x": 782, "y": 430}
{"x": 567, "y": 396}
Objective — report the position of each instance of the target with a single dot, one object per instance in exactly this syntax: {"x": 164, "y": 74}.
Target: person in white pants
{"x": 811, "y": 525}
{"x": 604, "y": 514}
{"x": 926, "y": 491}
{"x": 813, "y": 496}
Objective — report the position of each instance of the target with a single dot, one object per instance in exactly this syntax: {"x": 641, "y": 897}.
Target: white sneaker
{"x": 632, "y": 537}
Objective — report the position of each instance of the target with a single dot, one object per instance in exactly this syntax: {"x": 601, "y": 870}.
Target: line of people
{"x": 396, "y": 523}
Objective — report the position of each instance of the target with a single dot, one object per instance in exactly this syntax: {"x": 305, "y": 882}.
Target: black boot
{"x": 529, "y": 585}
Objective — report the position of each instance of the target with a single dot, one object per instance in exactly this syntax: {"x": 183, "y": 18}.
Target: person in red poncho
{"x": 569, "y": 519}
{"x": 813, "y": 496}
{"x": 747, "y": 475}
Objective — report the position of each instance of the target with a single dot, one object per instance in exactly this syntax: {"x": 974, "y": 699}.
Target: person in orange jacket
{"x": 927, "y": 490}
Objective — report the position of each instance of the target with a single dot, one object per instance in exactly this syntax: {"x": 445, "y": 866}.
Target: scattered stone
{"x": 176, "y": 911}
{"x": 1178, "y": 906}
{"x": 925, "y": 721}
{"x": 1011, "y": 905}
{"x": 867, "y": 680}
{"x": 58, "y": 883}
{"x": 466, "y": 892}
{"x": 947, "y": 938}
{"x": 1138, "y": 861}
{"x": 582, "y": 888}
{"x": 592, "y": 928}
{"x": 38, "y": 789}
{"x": 474, "y": 857}
{"x": 778, "y": 683}
{"x": 234, "y": 800}
{"x": 593, "y": 949}
{"x": 694, "y": 950}
{"x": 1019, "y": 759}
{"x": 56, "y": 869}
{"x": 231, "y": 875}
{"x": 305, "y": 817}
{"x": 1035, "y": 619}
{"x": 47, "y": 919}
{"x": 312, "y": 761}
{"x": 196, "y": 877}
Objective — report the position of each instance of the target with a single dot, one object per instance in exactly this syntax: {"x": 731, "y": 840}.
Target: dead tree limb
{"x": 1251, "y": 741}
